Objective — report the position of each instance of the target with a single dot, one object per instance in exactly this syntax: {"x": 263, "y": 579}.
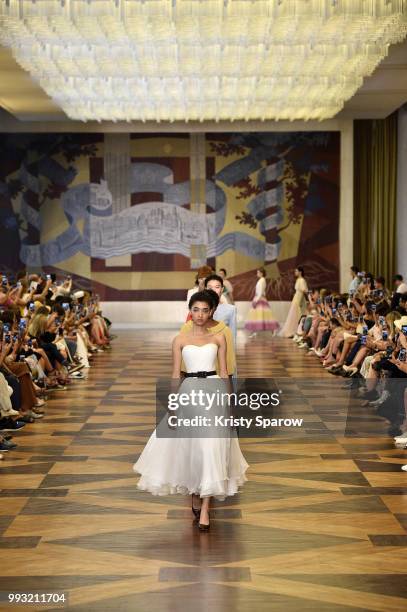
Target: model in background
{"x": 227, "y": 287}
{"x": 202, "y": 273}
{"x": 298, "y": 304}
{"x": 260, "y": 317}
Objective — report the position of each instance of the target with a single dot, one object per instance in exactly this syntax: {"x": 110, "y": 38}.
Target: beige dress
{"x": 297, "y": 308}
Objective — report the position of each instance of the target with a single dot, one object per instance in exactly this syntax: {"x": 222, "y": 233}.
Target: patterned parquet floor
{"x": 320, "y": 525}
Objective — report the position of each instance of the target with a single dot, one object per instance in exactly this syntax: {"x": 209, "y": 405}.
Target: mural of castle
{"x": 132, "y": 215}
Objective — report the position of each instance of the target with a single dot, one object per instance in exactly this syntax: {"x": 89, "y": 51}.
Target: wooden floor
{"x": 320, "y": 525}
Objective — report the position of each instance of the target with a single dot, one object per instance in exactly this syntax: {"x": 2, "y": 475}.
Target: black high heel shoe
{"x": 196, "y": 511}
{"x": 202, "y": 526}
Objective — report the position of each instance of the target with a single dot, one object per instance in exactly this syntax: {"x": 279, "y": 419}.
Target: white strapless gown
{"x": 204, "y": 466}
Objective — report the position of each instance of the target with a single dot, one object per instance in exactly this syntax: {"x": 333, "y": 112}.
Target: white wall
{"x": 168, "y": 315}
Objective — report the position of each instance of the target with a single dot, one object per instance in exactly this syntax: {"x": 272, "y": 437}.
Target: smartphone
{"x": 365, "y": 329}
{"x": 29, "y": 342}
{"x": 333, "y": 311}
{"x": 4, "y": 281}
{"x": 6, "y": 327}
{"x": 15, "y": 337}
{"x": 404, "y": 329}
{"x": 22, "y": 324}
{"x": 7, "y": 338}
{"x": 65, "y": 306}
{"x": 373, "y": 307}
{"x": 382, "y": 320}
{"x": 363, "y": 339}
{"x": 402, "y": 356}
{"x": 31, "y": 306}
{"x": 385, "y": 335}
{"x": 48, "y": 276}
{"x": 389, "y": 351}
{"x": 339, "y": 305}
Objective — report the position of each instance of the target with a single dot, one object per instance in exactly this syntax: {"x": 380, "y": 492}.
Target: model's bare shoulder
{"x": 177, "y": 341}
{"x": 220, "y": 338}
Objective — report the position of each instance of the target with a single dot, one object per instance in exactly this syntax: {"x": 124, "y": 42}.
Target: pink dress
{"x": 260, "y": 317}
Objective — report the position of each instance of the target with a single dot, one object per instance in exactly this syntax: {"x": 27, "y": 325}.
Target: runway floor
{"x": 320, "y": 525}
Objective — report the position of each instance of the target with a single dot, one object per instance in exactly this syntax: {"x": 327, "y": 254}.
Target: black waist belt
{"x": 200, "y": 374}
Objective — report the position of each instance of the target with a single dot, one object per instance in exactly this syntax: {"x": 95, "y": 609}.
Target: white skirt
{"x": 208, "y": 467}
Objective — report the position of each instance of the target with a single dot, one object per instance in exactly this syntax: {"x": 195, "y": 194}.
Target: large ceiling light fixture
{"x": 201, "y": 59}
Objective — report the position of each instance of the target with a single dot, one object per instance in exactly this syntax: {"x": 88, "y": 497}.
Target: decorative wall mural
{"x": 157, "y": 206}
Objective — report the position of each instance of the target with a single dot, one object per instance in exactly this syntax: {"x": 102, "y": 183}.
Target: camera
{"x": 402, "y": 356}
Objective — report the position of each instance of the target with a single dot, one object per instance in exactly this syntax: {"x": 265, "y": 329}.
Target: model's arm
{"x": 223, "y": 370}
{"x": 176, "y": 357}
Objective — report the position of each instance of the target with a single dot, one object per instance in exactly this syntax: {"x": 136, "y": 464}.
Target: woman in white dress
{"x": 203, "y": 467}
{"x": 298, "y": 305}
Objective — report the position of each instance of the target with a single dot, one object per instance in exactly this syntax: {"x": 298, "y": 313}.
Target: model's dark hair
{"x": 223, "y": 270}
{"x": 214, "y": 277}
{"x": 381, "y": 280}
{"x": 208, "y": 296}
{"x": 263, "y": 271}
{"x": 354, "y": 269}
{"x": 301, "y": 269}
{"x": 398, "y": 277}
{"x": 214, "y": 297}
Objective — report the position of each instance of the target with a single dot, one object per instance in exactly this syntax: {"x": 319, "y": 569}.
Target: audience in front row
{"x": 48, "y": 333}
